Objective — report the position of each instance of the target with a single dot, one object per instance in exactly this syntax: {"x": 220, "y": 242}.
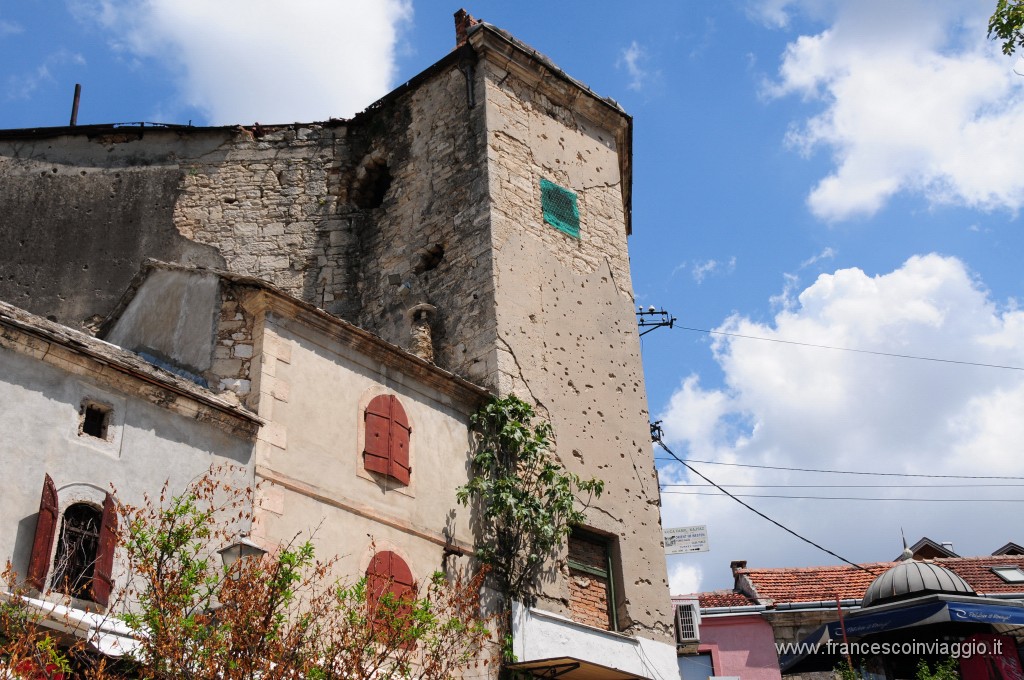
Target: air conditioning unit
{"x": 688, "y": 622}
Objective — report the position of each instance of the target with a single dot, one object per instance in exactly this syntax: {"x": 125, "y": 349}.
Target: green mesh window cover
{"x": 559, "y": 207}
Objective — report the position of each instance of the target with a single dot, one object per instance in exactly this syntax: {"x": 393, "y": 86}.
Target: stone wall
{"x": 430, "y": 197}
{"x": 566, "y": 333}
{"x": 364, "y": 218}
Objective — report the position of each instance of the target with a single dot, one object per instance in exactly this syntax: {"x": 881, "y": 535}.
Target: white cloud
{"x": 10, "y": 28}
{"x": 684, "y": 578}
{"x": 633, "y": 58}
{"x": 827, "y": 253}
{"x": 700, "y": 270}
{"x": 792, "y": 406}
{"x": 912, "y": 99}
{"x": 246, "y": 60}
{"x": 23, "y": 86}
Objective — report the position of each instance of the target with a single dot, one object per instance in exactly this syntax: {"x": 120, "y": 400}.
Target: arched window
{"x": 84, "y": 559}
{"x": 389, "y": 590}
{"x": 386, "y": 449}
{"x": 74, "y": 563}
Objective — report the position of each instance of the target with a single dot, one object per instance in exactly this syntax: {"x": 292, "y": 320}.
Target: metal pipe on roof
{"x": 741, "y": 609}
{"x": 74, "y": 104}
{"x": 820, "y": 604}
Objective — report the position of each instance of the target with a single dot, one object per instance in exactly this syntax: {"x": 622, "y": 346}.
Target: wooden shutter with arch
{"x": 388, "y": 573}
{"x": 387, "y": 436}
{"x": 102, "y": 580}
{"x": 46, "y": 529}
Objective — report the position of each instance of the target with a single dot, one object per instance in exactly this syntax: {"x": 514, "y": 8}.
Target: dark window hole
{"x": 371, "y": 187}
{"x": 95, "y": 421}
{"x": 430, "y": 259}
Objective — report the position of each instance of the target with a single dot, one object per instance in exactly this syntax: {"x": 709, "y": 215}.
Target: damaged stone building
{"x": 465, "y": 235}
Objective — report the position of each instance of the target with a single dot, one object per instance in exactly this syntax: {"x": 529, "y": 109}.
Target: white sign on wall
{"x": 686, "y": 540}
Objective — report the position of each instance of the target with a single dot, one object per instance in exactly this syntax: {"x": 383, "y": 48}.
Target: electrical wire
{"x": 656, "y": 437}
{"x": 850, "y": 486}
{"x": 845, "y": 472}
{"x": 851, "y": 349}
{"x": 849, "y": 498}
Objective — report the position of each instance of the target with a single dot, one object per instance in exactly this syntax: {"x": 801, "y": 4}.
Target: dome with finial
{"x": 912, "y": 579}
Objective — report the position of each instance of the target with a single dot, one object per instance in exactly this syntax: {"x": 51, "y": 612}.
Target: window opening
{"x": 591, "y": 581}
{"x": 387, "y": 435}
{"x": 430, "y": 258}
{"x": 696, "y": 666}
{"x": 77, "y": 546}
{"x": 389, "y": 591}
{"x": 1009, "y": 574}
{"x": 95, "y": 420}
{"x": 560, "y": 209}
{"x": 371, "y": 186}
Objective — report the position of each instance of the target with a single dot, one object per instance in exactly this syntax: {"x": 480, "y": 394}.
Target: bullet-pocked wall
{"x": 567, "y": 337}
{"x": 427, "y": 207}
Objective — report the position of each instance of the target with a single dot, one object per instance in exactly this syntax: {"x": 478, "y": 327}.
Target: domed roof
{"x": 913, "y": 578}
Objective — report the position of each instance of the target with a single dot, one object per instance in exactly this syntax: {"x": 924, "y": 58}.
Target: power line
{"x": 845, "y": 472}
{"x": 656, "y": 437}
{"x": 851, "y": 349}
{"x": 849, "y": 498}
{"x": 850, "y": 486}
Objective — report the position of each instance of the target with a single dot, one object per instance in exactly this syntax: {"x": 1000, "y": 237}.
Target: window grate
{"x": 559, "y": 206}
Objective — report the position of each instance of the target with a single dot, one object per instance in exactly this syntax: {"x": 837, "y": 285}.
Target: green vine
{"x": 528, "y": 503}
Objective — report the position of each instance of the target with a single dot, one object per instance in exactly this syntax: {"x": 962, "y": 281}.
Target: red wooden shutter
{"x": 46, "y": 529}
{"x": 401, "y": 585}
{"x": 378, "y": 435}
{"x": 388, "y": 573}
{"x": 399, "y": 467}
{"x": 102, "y": 580}
{"x": 387, "y": 438}
{"x": 377, "y": 578}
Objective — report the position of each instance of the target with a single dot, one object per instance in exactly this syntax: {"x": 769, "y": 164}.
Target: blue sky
{"x": 835, "y": 172}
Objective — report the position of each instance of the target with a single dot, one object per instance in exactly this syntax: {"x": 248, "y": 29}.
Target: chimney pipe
{"x": 74, "y": 105}
{"x": 463, "y": 20}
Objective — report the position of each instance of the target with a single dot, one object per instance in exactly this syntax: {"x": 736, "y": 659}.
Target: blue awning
{"x": 1004, "y": 617}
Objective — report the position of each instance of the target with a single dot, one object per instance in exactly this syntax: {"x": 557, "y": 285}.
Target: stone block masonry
{"x": 364, "y": 218}
{"x": 430, "y": 199}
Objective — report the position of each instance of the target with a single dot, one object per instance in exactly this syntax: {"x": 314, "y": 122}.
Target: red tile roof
{"x": 814, "y": 584}
{"x": 977, "y": 571}
{"x": 724, "y": 598}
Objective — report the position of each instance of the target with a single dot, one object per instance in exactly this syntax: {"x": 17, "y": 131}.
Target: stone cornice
{"x": 83, "y": 355}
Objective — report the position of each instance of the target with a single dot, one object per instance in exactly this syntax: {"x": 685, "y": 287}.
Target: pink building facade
{"x": 735, "y": 640}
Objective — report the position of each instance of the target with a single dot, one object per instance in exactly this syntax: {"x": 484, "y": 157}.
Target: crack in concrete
{"x": 615, "y": 282}
{"x": 603, "y": 185}
{"x": 522, "y": 378}
{"x": 605, "y": 513}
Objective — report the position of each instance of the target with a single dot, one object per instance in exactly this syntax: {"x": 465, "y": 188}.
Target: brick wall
{"x": 588, "y": 592}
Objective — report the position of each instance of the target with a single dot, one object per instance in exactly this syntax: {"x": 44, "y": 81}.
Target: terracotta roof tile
{"x": 723, "y": 598}
{"x": 814, "y": 584}
{"x": 977, "y": 571}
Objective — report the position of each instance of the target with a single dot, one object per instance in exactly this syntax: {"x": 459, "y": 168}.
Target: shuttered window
{"x": 84, "y": 560}
{"x": 390, "y": 590}
{"x": 386, "y": 450}
{"x": 46, "y": 529}
{"x": 559, "y": 207}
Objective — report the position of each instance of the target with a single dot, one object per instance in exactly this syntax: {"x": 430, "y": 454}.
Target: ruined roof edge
{"x": 430, "y": 374}
{"x": 118, "y": 358}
